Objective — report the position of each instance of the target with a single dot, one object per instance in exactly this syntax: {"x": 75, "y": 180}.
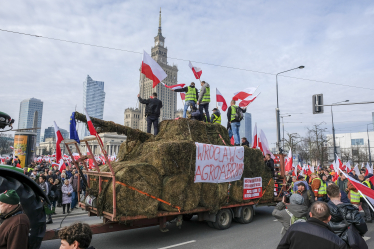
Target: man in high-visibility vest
{"x": 216, "y": 116}
{"x": 234, "y": 121}
{"x": 365, "y": 206}
{"x": 204, "y": 100}
{"x": 319, "y": 188}
{"x": 190, "y": 98}
{"x": 353, "y": 195}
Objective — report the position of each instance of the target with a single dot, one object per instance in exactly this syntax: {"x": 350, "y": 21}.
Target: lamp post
{"x": 277, "y": 116}
{"x": 367, "y": 130}
{"x": 283, "y": 127}
{"x": 333, "y": 129}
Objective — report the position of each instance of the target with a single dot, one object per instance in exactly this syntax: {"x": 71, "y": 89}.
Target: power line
{"x": 205, "y": 63}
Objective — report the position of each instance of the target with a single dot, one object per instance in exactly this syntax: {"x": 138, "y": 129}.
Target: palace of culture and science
{"x": 134, "y": 117}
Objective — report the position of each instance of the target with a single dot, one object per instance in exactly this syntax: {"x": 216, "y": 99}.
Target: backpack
{"x": 239, "y": 114}
{"x": 295, "y": 219}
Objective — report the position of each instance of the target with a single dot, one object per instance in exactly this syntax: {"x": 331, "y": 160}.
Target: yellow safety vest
{"x": 292, "y": 187}
{"x": 217, "y": 119}
{"x": 233, "y": 112}
{"x": 369, "y": 186}
{"x": 191, "y": 94}
{"x": 355, "y": 196}
{"x": 322, "y": 188}
{"x": 206, "y": 96}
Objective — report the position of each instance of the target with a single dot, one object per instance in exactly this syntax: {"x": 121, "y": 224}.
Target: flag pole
{"x": 216, "y": 99}
{"x": 368, "y": 202}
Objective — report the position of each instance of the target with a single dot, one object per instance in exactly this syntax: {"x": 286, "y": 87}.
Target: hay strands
{"x": 264, "y": 191}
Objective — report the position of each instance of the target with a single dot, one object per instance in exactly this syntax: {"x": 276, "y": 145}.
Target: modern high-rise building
{"x": 50, "y": 133}
{"x": 245, "y": 129}
{"x": 93, "y": 99}
{"x": 134, "y": 117}
{"x": 372, "y": 115}
{"x": 29, "y": 110}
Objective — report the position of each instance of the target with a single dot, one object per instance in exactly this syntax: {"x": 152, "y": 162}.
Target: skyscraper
{"x": 29, "y": 109}
{"x": 245, "y": 129}
{"x": 93, "y": 99}
{"x": 50, "y": 133}
{"x": 134, "y": 117}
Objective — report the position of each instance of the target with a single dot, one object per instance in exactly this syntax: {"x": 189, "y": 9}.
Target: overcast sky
{"x": 332, "y": 39}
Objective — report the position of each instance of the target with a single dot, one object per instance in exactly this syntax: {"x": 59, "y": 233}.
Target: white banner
{"x": 217, "y": 164}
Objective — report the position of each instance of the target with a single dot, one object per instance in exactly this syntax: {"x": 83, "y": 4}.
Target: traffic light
{"x": 317, "y": 100}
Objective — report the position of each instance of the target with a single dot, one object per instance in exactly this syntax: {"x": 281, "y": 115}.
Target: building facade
{"x": 93, "y": 99}
{"x": 30, "y": 113}
{"x": 245, "y": 129}
{"x": 135, "y": 117}
{"x": 50, "y": 133}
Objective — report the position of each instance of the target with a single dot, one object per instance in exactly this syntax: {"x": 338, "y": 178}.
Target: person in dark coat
{"x": 152, "y": 111}
{"x": 307, "y": 194}
{"x": 350, "y": 212}
{"x": 315, "y": 233}
{"x": 269, "y": 162}
{"x": 245, "y": 142}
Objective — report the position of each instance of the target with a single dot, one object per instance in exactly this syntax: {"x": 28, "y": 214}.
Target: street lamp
{"x": 333, "y": 129}
{"x": 367, "y": 130}
{"x": 277, "y": 109}
{"x": 283, "y": 127}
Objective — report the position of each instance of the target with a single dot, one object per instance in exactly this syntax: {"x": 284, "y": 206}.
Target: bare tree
{"x": 6, "y": 140}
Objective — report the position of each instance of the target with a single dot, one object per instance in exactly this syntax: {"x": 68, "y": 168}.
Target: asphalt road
{"x": 263, "y": 233}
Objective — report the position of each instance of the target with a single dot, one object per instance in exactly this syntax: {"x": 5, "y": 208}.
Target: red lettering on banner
{"x": 238, "y": 154}
{"x": 232, "y": 154}
{"x": 205, "y": 174}
{"x": 200, "y": 154}
{"x": 211, "y": 151}
{"x": 223, "y": 171}
{"x": 217, "y": 148}
{"x": 206, "y": 152}
{"x": 225, "y": 155}
{"x": 198, "y": 172}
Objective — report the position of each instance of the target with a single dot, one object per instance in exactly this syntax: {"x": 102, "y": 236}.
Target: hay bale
{"x": 214, "y": 195}
{"x": 181, "y": 191}
{"x": 141, "y": 176}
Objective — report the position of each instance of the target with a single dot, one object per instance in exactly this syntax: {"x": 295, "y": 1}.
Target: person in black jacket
{"x": 152, "y": 112}
{"x": 191, "y": 96}
{"x": 245, "y": 141}
{"x": 269, "y": 162}
{"x": 350, "y": 212}
{"x": 315, "y": 233}
{"x": 234, "y": 122}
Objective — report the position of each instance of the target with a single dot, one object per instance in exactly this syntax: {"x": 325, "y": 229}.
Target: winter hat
{"x": 296, "y": 199}
{"x": 9, "y": 197}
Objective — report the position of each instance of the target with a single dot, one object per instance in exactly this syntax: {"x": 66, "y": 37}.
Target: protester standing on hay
{"x": 234, "y": 118}
{"x": 216, "y": 116}
{"x": 204, "y": 100}
{"x": 191, "y": 97}
{"x": 152, "y": 111}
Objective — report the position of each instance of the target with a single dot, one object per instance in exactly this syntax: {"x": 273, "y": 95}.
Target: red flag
{"x": 289, "y": 161}
{"x": 368, "y": 192}
{"x": 221, "y": 100}
{"x": 372, "y": 180}
{"x": 90, "y": 124}
{"x": 232, "y": 141}
{"x": 331, "y": 166}
{"x": 247, "y": 101}
{"x": 183, "y": 96}
{"x": 196, "y": 71}
{"x": 244, "y": 94}
{"x": 177, "y": 86}
{"x": 152, "y": 70}
{"x": 294, "y": 173}
{"x": 264, "y": 146}
{"x": 255, "y": 137}
{"x": 61, "y": 166}
{"x": 59, "y": 139}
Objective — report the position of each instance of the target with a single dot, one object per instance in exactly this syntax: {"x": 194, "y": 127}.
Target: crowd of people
{"x": 317, "y": 209}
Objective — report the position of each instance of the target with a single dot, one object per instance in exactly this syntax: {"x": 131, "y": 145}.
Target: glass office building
{"x": 93, "y": 99}
{"x": 30, "y": 108}
{"x": 245, "y": 129}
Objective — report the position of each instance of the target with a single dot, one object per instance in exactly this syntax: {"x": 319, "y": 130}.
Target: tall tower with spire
{"x": 168, "y": 97}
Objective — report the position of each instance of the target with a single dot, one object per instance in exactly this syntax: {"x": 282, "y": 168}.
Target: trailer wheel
{"x": 246, "y": 215}
{"x": 32, "y": 207}
{"x": 223, "y": 219}
{"x": 187, "y": 217}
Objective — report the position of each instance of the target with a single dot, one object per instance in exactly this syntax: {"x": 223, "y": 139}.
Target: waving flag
{"x": 247, "y": 101}
{"x": 90, "y": 125}
{"x": 178, "y": 86}
{"x": 152, "y": 70}
{"x": 221, "y": 100}
{"x": 244, "y": 94}
{"x": 264, "y": 146}
{"x": 366, "y": 191}
{"x": 348, "y": 167}
{"x": 357, "y": 170}
{"x": 289, "y": 161}
{"x": 59, "y": 139}
{"x": 73, "y": 128}
{"x": 196, "y": 71}
{"x": 255, "y": 137}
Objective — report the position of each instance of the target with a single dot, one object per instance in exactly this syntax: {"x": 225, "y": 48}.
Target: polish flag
{"x": 247, "y": 101}
{"x": 90, "y": 124}
{"x": 348, "y": 167}
{"x": 178, "y": 86}
{"x": 264, "y": 145}
{"x": 221, "y": 100}
{"x": 368, "y": 192}
{"x": 357, "y": 170}
{"x": 61, "y": 166}
{"x": 294, "y": 173}
{"x": 289, "y": 161}
{"x": 11, "y": 147}
{"x": 183, "y": 96}
{"x": 254, "y": 146}
{"x": 369, "y": 170}
{"x": 152, "y": 70}
{"x": 59, "y": 139}
{"x": 244, "y": 94}
{"x": 196, "y": 71}
{"x": 232, "y": 141}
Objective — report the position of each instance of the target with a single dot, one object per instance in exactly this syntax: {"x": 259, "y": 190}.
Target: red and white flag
{"x": 264, "y": 146}
{"x": 369, "y": 170}
{"x": 11, "y": 147}
{"x": 348, "y": 167}
{"x": 288, "y": 166}
{"x": 90, "y": 125}
{"x": 294, "y": 173}
{"x": 255, "y": 139}
{"x": 59, "y": 139}
{"x": 183, "y": 96}
{"x": 152, "y": 70}
{"x": 61, "y": 166}
{"x": 221, "y": 100}
{"x": 368, "y": 192}
{"x": 196, "y": 71}
{"x": 247, "y": 101}
{"x": 244, "y": 94}
{"x": 357, "y": 170}
{"x": 178, "y": 86}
